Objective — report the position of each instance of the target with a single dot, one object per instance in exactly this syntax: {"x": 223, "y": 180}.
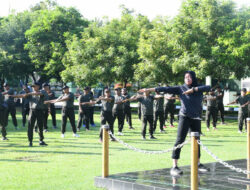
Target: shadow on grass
{"x": 9, "y": 160}
{"x": 58, "y": 152}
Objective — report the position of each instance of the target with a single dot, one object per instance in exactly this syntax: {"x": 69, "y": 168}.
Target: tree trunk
{"x": 125, "y": 83}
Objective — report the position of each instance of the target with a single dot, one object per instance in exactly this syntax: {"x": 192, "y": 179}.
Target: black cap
{"x": 35, "y": 84}
{"x": 106, "y": 90}
{"x": 244, "y": 90}
{"x": 87, "y": 88}
{"x": 65, "y": 86}
{"x": 117, "y": 89}
{"x": 5, "y": 84}
{"x": 45, "y": 84}
{"x": 212, "y": 90}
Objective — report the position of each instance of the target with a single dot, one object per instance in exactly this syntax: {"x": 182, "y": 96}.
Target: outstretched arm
{"x": 233, "y": 102}
{"x": 197, "y": 89}
{"x": 134, "y": 98}
{"x": 17, "y": 96}
{"x": 109, "y": 99}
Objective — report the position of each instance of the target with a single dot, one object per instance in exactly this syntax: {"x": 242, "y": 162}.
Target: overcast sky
{"x": 91, "y": 9}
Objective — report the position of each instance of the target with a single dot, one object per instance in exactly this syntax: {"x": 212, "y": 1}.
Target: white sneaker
{"x": 75, "y": 135}
{"x": 239, "y": 131}
{"x": 120, "y": 133}
{"x": 62, "y": 135}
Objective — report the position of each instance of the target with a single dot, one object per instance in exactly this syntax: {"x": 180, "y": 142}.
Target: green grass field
{"x": 72, "y": 163}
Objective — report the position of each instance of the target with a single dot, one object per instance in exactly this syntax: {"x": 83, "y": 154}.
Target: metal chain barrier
{"x": 146, "y": 151}
{"x": 239, "y": 170}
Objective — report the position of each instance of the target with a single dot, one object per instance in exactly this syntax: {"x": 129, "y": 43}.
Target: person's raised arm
{"x": 109, "y": 99}
{"x": 211, "y": 98}
{"x": 198, "y": 89}
{"x": 134, "y": 98}
{"x": 158, "y": 96}
{"x": 35, "y": 94}
{"x": 56, "y": 100}
{"x": 233, "y": 102}
{"x": 17, "y": 96}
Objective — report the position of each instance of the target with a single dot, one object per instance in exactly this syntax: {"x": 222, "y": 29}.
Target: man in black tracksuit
{"x": 92, "y": 111}
{"x": 243, "y": 100}
{"x": 52, "y": 108}
{"x": 46, "y": 107}
{"x": 147, "y": 104}
{"x": 190, "y": 95}
{"x": 118, "y": 110}
{"x": 220, "y": 106}
{"x": 211, "y": 99}
{"x": 106, "y": 112}
{"x": 67, "y": 99}
{"x": 11, "y": 104}
{"x": 159, "y": 112}
{"x": 25, "y": 104}
{"x": 3, "y": 116}
{"x": 127, "y": 108}
{"x": 169, "y": 108}
{"x": 85, "y": 102}
{"x": 36, "y": 103}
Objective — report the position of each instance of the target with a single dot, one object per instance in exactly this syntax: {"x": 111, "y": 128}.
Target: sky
{"x": 92, "y": 9}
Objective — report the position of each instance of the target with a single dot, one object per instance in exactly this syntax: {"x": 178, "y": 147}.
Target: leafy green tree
{"x": 14, "y": 59}
{"x": 232, "y": 52}
{"x": 46, "y": 38}
{"x": 210, "y": 37}
{"x": 157, "y": 52}
{"x": 213, "y": 36}
{"x": 107, "y": 52}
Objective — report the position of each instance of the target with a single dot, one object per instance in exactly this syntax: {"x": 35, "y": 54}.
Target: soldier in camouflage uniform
{"x": 106, "y": 112}
{"x": 147, "y": 104}
{"x": 3, "y": 116}
{"x": 85, "y": 102}
{"x": 118, "y": 110}
{"x": 169, "y": 108}
{"x": 36, "y": 103}
{"x": 11, "y": 104}
{"x": 25, "y": 104}
{"x": 127, "y": 108}
{"x": 243, "y": 100}
{"x": 67, "y": 99}
{"x": 159, "y": 112}
{"x": 220, "y": 106}
{"x": 211, "y": 99}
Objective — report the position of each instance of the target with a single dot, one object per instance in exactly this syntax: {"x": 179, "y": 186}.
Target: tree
{"x": 157, "y": 52}
{"x": 14, "y": 59}
{"x": 46, "y": 38}
{"x": 212, "y": 38}
{"x": 233, "y": 50}
{"x": 107, "y": 52}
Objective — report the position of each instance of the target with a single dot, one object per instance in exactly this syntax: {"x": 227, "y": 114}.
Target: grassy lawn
{"x": 72, "y": 163}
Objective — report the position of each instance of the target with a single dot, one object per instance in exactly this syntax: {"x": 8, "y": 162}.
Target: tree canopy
{"x": 211, "y": 37}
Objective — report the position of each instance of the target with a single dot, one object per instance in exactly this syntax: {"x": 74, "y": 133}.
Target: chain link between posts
{"x": 239, "y": 170}
{"x": 146, "y": 151}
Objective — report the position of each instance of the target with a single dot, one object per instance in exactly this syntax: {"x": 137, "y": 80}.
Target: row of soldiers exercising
{"x": 11, "y": 109}
{"x": 243, "y": 113}
{"x": 113, "y": 107}
{"x": 39, "y": 104}
{"x": 213, "y": 107}
{"x": 162, "y": 108}
{"x": 37, "y": 111}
